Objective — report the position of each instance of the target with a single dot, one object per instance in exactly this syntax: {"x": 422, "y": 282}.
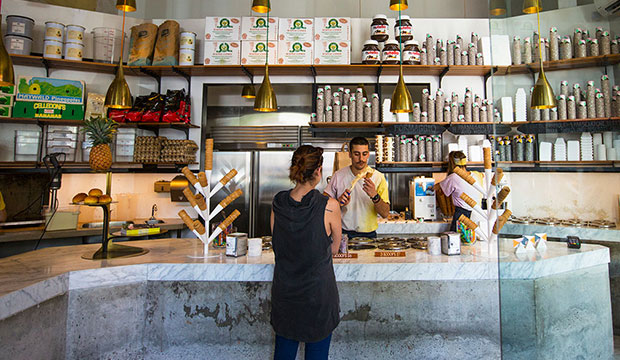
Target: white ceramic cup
{"x": 434, "y": 245}
{"x": 255, "y": 246}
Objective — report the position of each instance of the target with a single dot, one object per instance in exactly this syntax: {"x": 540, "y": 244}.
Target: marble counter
{"x": 555, "y": 231}
{"x": 31, "y": 278}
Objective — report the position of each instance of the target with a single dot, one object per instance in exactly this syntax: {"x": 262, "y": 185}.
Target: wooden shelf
{"x": 345, "y": 124}
{"x": 81, "y": 122}
{"x": 415, "y": 128}
{"x": 476, "y": 128}
{"x": 568, "y": 64}
{"x": 568, "y": 126}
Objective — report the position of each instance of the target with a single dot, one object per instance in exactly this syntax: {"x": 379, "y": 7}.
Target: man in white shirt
{"x": 369, "y": 196}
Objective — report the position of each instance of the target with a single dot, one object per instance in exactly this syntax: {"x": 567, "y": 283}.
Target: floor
{"x": 616, "y": 347}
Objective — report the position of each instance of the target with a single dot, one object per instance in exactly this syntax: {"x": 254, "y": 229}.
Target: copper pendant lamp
{"x": 119, "y": 95}
{"x": 266, "y": 98}
{"x": 7, "y": 76}
{"x": 498, "y": 7}
{"x": 542, "y": 96}
{"x": 261, "y": 6}
{"x": 248, "y": 91}
{"x": 397, "y": 5}
{"x": 401, "y": 98}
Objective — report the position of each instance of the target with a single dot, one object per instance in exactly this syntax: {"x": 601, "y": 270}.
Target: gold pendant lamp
{"x": 7, "y": 76}
{"x": 401, "y": 98}
{"x": 542, "y": 96}
{"x": 531, "y": 6}
{"x": 498, "y": 7}
{"x": 119, "y": 95}
{"x": 261, "y": 6}
{"x": 398, "y": 5}
{"x": 248, "y": 91}
{"x": 266, "y": 98}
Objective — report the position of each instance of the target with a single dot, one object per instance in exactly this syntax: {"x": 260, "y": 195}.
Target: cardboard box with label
{"x": 222, "y": 52}
{"x": 295, "y": 52}
{"x": 254, "y": 52}
{"x": 48, "y": 98}
{"x": 296, "y": 29}
{"x": 222, "y": 28}
{"x": 332, "y": 28}
{"x": 332, "y": 53}
{"x": 255, "y": 28}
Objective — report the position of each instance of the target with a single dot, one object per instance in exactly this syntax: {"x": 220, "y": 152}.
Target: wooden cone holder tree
{"x": 488, "y": 190}
{"x": 200, "y": 200}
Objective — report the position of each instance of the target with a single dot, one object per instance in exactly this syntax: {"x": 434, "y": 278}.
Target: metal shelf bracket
{"x": 154, "y": 75}
{"x": 186, "y": 76}
{"x": 442, "y": 74}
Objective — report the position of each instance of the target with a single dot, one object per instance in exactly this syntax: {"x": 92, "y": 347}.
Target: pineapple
{"x": 100, "y": 131}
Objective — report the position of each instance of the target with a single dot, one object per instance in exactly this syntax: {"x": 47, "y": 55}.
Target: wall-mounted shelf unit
{"x": 509, "y": 166}
{"x": 569, "y": 126}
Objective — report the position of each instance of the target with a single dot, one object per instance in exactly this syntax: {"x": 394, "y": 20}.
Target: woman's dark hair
{"x": 306, "y": 159}
{"x": 454, "y": 160}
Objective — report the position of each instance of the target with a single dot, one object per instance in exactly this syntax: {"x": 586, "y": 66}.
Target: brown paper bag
{"x": 142, "y": 44}
{"x": 167, "y": 45}
{"x": 341, "y": 158}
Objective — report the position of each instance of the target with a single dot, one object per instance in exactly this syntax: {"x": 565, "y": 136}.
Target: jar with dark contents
{"x": 391, "y": 53}
{"x": 371, "y": 53}
{"x": 411, "y": 53}
{"x": 379, "y": 29}
{"x": 403, "y": 31}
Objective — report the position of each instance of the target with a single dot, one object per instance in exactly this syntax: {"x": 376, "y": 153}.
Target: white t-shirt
{"x": 359, "y": 214}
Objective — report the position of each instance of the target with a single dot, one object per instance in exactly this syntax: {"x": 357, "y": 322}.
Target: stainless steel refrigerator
{"x": 261, "y": 175}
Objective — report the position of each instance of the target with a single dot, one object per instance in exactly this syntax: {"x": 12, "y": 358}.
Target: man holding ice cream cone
{"x": 361, "y": 191}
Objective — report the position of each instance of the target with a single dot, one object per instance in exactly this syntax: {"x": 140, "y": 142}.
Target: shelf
{"x": 479, "y": 128}
{"x": 345, "y": 124}
{"x": 568, "y": 64}
{"x": 158, "y": 125}
{"x": 415, "y": 128}
{"x": 83, "y": 167}
{"x": 568, "y": 126}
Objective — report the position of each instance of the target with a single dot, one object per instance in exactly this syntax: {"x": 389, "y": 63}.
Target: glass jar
{"x": 379, "y": 28}
{"x": 370, "y": 53}
{"x": 391, "y": 53}
{"x": 403, "y": 31}
{"x": 411, "y": 53}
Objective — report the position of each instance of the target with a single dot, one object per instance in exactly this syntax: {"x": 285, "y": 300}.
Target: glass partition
{"x": 558, "y": 289}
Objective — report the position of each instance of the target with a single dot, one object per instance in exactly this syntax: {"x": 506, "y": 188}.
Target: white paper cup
{"x": 434, "y": 245}
{"x": 255, "y": 246}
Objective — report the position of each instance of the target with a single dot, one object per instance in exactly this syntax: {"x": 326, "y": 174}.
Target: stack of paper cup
{"x": 187, "y": 48}
{"x": 74, "y": 42}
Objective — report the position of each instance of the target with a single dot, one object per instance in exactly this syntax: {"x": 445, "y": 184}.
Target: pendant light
{"x": 401, "y": 98}
{"x": 542, "y": 96}
{"x": 119, "y": 95}
{"x": 248, "y": 91}
{"x": 531, "y": 6}
{"x": 266, "y": 98}
{"x": 7, "y": 76}
{"x": 261, "y": 6}
{"x": 498, "y": 7}
{"x": 398, "y": 5}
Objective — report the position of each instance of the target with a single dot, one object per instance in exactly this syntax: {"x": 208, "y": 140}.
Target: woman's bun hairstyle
{"x": 306, "y": 159}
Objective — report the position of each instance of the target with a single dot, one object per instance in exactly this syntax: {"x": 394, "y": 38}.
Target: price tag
{"x": 389, "y": 254}
{"x": 345, "y": 256}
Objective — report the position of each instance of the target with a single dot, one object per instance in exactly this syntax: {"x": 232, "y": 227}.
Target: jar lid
{"x": 391, "y": 42}
{"x": 380, "y": 16}
{"x": 412, "y": 42}
{"x": 404, "y": 17}
{"x": 17, "y": 36}
{"x": 371, "y": 42}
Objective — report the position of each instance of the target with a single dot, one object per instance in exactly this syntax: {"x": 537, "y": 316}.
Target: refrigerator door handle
{"x": 254, "y": 176}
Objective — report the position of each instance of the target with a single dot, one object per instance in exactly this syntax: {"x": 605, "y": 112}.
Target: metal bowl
{"x": 394, "y": 246}
{"x": 361, "y": 240}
